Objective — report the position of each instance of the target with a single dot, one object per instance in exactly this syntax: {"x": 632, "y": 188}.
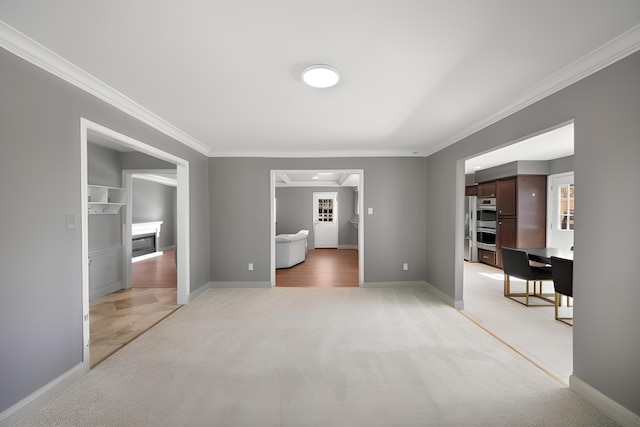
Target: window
{"x": 566, "y": 209}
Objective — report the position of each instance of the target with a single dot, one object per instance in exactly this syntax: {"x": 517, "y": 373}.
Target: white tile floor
{"x": 532, "y": 331}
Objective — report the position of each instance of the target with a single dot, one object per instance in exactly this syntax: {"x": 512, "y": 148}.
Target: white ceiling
{"x": 224, "y": 76}
{"x": 324, "y": 178}
{"x": 550, "y": 145}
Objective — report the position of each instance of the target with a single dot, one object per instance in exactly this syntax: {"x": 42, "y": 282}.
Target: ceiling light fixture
{"x": 320, "y": 76}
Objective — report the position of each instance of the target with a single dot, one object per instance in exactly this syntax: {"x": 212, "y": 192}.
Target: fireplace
{"x": 143, "y": 244}
{"x": 145, "y": 239}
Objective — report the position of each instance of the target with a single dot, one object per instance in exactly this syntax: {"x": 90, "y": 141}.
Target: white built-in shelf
{"x": 106, "y": 200}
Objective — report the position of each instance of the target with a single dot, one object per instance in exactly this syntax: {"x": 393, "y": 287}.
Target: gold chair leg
{"x": 556, "y": 304}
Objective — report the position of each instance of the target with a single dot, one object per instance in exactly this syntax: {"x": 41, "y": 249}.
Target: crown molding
{"x": 28, "y": 49}
{"x": 320, "y": 154}
{"x": 612, "y": 51}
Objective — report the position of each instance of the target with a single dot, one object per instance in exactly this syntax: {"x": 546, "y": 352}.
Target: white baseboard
{"x": 394, "y": 284}
{"x": 35, "y": 400}
{"x": 222, "y": 285}
{"x": 105, "y": 289}
{"x": 347, "y": 246}
{"x": 604, "y": 403}
{"x": 195, "y": 294}
{"x": 446, "y": 299}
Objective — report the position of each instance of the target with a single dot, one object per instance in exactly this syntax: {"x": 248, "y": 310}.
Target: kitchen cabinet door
{"x": 487, "y": 189}
{"x": 505, "y": 237}
{"x": 506, "y": 199}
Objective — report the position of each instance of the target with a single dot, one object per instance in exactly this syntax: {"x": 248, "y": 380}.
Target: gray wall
{"x": 240, "y": 219}
{"x": 40, "y": 184}
{"x": 155, "y": 202}
{"x": 605, "y": 107}
{"x": 295, "y": 212}
{"x": 561, "y": 165}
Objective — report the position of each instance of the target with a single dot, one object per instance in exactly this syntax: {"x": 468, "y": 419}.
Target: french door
{"x": 325, "y": 220}
{"x": 561, "y": 211}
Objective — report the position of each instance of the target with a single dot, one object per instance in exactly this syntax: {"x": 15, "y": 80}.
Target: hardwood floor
{"x": 158, "y": 272}
{"x": 322, "y": 268}
{"x": 118, "y": 318}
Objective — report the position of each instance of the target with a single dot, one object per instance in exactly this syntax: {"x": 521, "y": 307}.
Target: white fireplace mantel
{"x": 146, "y": 228}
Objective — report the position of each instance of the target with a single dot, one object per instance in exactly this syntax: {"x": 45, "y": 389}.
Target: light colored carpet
{"x": 317, "y": 357}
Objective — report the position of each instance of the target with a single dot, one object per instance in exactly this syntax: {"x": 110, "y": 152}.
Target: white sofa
{"x": 291, "y": 249}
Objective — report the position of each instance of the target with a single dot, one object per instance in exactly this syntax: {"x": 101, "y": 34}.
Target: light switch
{"x": 370, "y": 211}
{"x": 70, "y": 221}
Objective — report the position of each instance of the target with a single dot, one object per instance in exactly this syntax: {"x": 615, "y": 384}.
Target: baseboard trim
{"x": 105, "y": 289}
{"x": 604, "y": 403}
{"x": 195, "y": 294}
{"x": 225, "y": 285}
{"x": 444, "y": 298}
{"x": 347, "y": 246}
{"x": 35, "y": 400}
{"x": 406, "y": 284}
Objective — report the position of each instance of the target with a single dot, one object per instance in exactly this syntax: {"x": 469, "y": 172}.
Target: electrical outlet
{"x": 250, "y": 266}
{"x": 405, "y": 266}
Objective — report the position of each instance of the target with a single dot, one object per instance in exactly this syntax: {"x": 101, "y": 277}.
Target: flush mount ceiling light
{"x": 320, "y": 76}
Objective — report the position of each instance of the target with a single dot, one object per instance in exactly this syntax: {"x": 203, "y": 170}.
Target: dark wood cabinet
{"x": 505, "y": 236}
{"x": 487, "y": 257}
{"x": 521, "y": 207}
{"x": 471, "y": 190}
{"x": 506, "y": 197}
{"x": 487, "y": 189}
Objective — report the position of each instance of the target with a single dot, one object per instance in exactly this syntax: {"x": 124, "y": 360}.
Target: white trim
{"x": 35, "y": 400}
{"x": 243, "y": 285}
{"x": 604, "y": 403}
{"x": 360, "y": 225}
{"x": 28, "y": 49}
{"x": 444, "y": 298}
{"x": 409, "y": 152}
{"x": 182, "y": 223}
{"x": 347, "y": 246}
{"x": 405, "y": 284}
{"x": 152, "y": 227}
{"x": 195, "y": 294}
{"x": 100, "y": 289}
{"x": 162, "y": 179}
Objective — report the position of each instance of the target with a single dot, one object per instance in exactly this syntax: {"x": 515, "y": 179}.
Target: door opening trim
{"x": 182, "y": 220}
{"x": 361, "y": 230}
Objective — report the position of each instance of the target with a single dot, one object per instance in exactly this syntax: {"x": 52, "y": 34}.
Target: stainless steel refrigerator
{"x": 470, "y": 236}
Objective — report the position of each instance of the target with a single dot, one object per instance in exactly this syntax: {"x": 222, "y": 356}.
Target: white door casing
{"x": 325, "y": 220}
{"x": 560, "y": 234}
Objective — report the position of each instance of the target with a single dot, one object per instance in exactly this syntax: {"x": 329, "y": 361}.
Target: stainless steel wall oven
{"x": 486, "y": 220}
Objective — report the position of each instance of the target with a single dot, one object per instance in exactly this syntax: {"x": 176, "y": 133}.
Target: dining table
{"x": 544, "y": 255}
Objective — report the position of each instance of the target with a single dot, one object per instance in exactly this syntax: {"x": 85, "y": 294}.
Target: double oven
{"x": 486, "y": 220}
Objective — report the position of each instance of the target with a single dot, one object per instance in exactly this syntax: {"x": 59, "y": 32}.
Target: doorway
{"x": 481, "y": 285}
{"x": 346, "y": 177}
{"x": 87, "y": 129}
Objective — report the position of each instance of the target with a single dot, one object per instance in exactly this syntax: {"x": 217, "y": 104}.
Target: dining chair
{"x": 515, "y": 263}
{"x": 562, "y": 272}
